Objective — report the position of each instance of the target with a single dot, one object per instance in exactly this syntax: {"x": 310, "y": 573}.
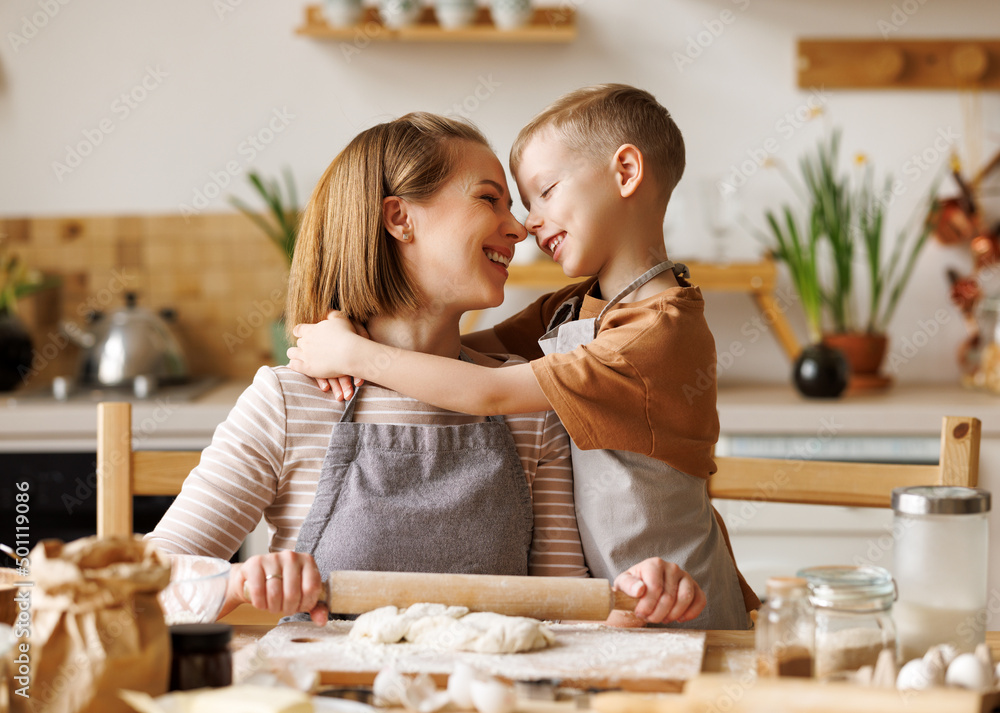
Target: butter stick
{"x": 251, "y": 699}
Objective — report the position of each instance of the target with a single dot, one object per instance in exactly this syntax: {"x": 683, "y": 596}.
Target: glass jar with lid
{"x": 854, "y": 622}
{"x": 784, "y": 633}
{"x": 979, "y": 357}
{"x": 941, "y": 535}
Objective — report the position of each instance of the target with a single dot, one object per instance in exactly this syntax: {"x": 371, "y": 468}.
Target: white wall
{"x": 215, "y": 77}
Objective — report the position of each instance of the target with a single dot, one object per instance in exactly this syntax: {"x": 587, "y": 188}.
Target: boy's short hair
{"x": 597, "y": 120}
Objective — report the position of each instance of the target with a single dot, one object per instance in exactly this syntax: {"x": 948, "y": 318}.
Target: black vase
{"x": 821, "y": 372}
{"x": 15, "y": 352}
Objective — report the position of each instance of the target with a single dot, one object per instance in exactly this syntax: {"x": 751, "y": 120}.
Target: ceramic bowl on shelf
{"x": 511, "y": 14}
{"x": 455, "y": 14}
{"x": 197, "y": 589}
{"x": 342, "y": 13}
{"x": 397, "y": 14}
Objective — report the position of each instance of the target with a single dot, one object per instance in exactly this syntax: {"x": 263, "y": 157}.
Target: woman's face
{"x": 464, "y": 236}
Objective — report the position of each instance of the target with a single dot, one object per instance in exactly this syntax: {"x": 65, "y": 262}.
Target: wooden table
{"x": 726, "y": 652}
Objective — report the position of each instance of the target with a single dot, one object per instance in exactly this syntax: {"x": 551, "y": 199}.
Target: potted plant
{"x": 16, "y": 282}
{"x": 844, "y": 223}
{"x": 280, "y": 223}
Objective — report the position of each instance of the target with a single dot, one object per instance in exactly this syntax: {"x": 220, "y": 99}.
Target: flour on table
{"x": 452, "y": 628}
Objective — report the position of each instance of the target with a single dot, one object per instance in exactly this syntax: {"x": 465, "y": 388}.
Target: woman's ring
{"x": 271, "y": 576}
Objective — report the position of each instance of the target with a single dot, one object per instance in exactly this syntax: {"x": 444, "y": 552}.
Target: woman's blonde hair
{"x": 345, "y": 259}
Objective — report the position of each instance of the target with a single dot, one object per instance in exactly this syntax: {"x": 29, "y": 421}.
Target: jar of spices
{"x": 785, "y": 629}
{"x": 853, "y": 615}
{"x": 201, "y": 656}
{"x": 940, "y": 537}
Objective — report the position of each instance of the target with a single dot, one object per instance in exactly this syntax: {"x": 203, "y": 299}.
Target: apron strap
{"x": 638, "y": 282}
{"x": 348, "y": 415}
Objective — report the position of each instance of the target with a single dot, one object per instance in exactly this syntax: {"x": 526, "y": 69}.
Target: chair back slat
{"x": 818, "y": 482}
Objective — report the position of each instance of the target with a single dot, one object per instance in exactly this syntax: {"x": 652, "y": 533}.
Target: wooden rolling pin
{"x": 356, "y": 592}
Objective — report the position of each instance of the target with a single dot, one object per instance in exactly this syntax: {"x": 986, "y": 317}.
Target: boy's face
{"x": 570, "y": 202}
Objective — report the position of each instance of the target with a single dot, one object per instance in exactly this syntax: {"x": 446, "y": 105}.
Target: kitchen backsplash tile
{"x": 224, "y": 279}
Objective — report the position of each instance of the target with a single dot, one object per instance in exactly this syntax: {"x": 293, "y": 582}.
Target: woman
{"x": 409, "y": 228}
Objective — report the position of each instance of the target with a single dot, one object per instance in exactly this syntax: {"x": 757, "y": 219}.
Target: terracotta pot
{"x": 864, "y": 352}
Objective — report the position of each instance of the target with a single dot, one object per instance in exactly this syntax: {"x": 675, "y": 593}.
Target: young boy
{"x": 595, "y": 171}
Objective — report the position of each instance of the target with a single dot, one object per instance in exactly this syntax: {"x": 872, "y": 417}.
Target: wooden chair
{"x": 854, "y": 484}
{"x": 123, "y": 473}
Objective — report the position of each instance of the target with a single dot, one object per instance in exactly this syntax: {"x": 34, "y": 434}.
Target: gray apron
{"x": 630, "y": 506}
{"x": 402, "y": 498}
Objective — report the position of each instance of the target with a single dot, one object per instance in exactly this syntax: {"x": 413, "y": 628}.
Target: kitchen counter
{"x": 907, "y": 409}
{"x": 29, "y": 424}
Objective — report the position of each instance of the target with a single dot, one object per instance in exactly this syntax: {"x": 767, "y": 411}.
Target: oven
{"x": 50, "y": 443}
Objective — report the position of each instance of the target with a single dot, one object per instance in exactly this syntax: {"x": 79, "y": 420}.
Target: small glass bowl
{"x": 197, "y": 589}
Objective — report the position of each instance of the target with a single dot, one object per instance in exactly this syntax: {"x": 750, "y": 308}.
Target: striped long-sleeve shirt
{"x": 265, "y": 459}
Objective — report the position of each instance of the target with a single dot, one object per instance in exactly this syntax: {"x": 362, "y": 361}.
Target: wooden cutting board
{"x": 584, "y": 656}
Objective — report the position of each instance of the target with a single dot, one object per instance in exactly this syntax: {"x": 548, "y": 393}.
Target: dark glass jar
{"x": 201, "y": 657}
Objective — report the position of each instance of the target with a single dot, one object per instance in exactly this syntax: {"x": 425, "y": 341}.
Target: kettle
{"x": 129, "y": 343}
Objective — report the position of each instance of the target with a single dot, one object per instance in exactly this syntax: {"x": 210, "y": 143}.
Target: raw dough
{"x": 453, "y": 628}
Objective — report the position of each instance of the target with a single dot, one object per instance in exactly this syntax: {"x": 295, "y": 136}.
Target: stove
{"x": 64, "y": 390}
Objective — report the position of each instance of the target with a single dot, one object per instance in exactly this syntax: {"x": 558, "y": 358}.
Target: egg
{"x": 491, "y": 696}
{"x": 389, "y": 687}
{"x": 947, "y": 652}
{"x": 985, "y": 656}
{"x": 936, "y": 663}
{"x": 967, "y": 671}
{"x": 423, "y": 696}
{"x": 392, "y": 688}
{"x": 460, "y": 685}
{"x": 917, "y": 676}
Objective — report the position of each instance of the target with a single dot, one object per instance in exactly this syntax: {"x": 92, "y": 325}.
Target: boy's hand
{"x": 319, "y": 352}
{"x": 666, "y": 593}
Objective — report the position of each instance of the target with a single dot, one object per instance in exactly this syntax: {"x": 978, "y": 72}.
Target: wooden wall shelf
{"x": 899, "y": 64}
{"x": 757, "y": 279}
{"x": 549, "y": 24}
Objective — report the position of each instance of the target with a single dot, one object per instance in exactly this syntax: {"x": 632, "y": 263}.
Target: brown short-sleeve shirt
{"x": 645, "y": 384}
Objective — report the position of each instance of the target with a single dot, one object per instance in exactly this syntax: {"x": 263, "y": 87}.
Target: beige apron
{"x": 630, "y": 506}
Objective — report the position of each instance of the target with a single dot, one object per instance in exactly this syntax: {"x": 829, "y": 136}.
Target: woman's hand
{"x": 318, "y": 351}
{"x": 284, "y": 583}
{"x": 666, "y": 593}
